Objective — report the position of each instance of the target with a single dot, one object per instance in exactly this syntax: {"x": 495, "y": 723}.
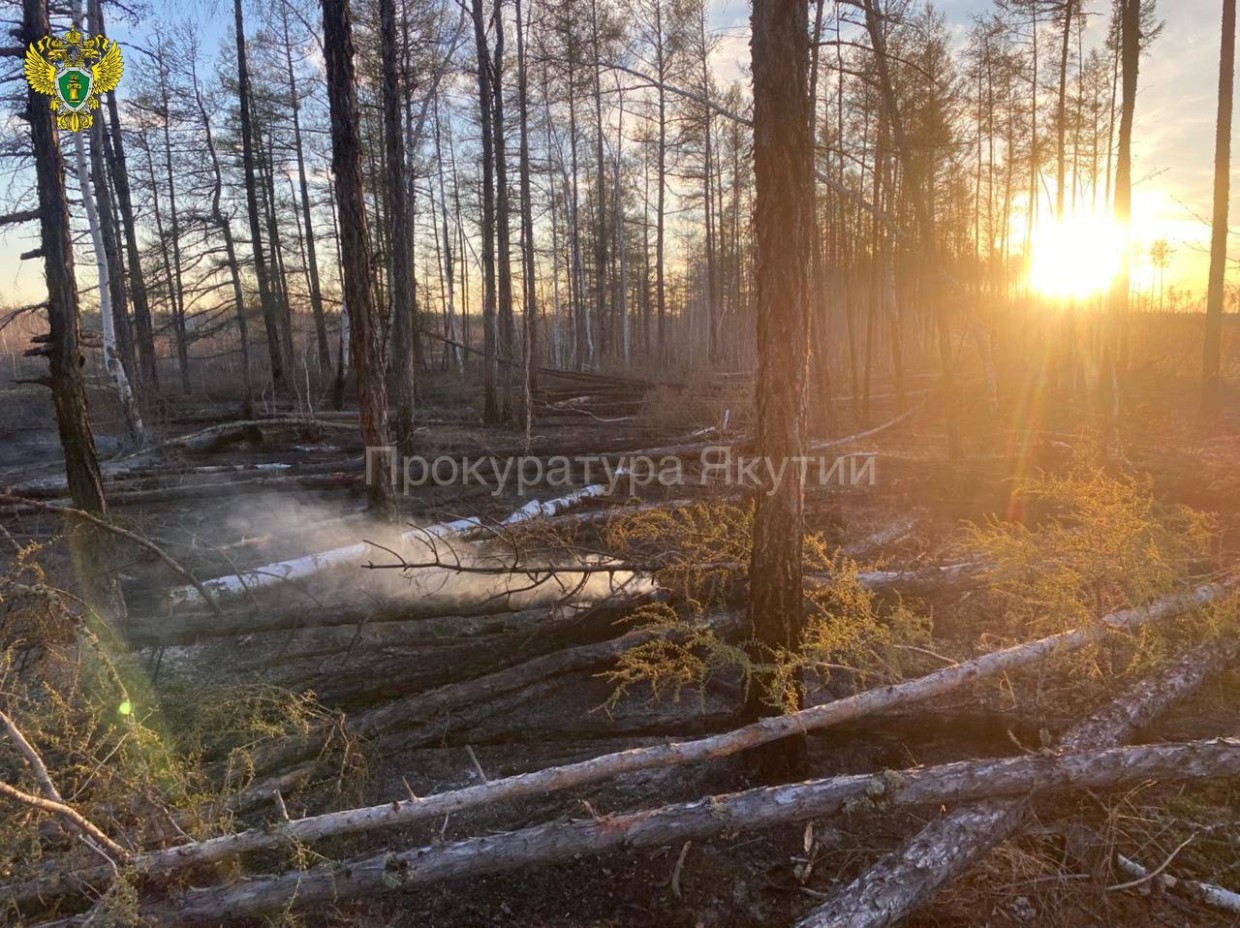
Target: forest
{"x": 590, "y": 463}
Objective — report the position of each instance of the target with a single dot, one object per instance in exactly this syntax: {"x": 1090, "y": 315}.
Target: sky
{"x": 1173, "y": 138}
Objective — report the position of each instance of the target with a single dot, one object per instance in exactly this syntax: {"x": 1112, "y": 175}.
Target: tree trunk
{"x": 782, "y": 166}
{"x": 528, "y": 271}
{"x": 367, "y": 352}
{"x": 111, "y": 357}
{"x": 115, "y": 152}
{"x": 600, "y": 187}
{"x": 63, "y": 347}
{"x": 1069, "y": 12}
{"x": 176, "y": 290}
{"x": 503, "y": 230}
{"x": 752, "y": 809}
{"x": 1212, "y": 385}
{"x": 401, "y": 258}
{"x": 230, "y": 251}
{"x": 312, "y": 261}
{"x": 490, "y": 406}
{"x": 271, "y": 321}
{"x": 1117, "y": 309}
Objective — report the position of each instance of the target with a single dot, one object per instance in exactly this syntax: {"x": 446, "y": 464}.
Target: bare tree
{"x": 271, "y": 322}
{"x": 366, "y": 349}
{"x": 782, "y": 167}
{"x": 402, "y": 309}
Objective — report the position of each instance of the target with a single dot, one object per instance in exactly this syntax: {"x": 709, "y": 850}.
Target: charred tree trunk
{"x": 367, "y": 352}
{"x": 503, "y": 229}
{"x": 401, "y": 259}
{"x": 176, "y": 289}
{"x": 1117, "y": 310}
{"x": 1061, "y": 115}
{"x": 1212, "y": 385}
{"x": 782, "y": 166}
{"x": 100, "y": 180}
{"x": 63, "y": 350}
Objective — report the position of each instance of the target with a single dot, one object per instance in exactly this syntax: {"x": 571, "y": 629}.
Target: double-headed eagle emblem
{"x": 74, "y": 71}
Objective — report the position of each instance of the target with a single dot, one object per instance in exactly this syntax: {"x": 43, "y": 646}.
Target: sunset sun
{"x": 1076, "y": 257}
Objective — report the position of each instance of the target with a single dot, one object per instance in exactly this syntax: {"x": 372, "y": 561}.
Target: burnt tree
{"x": 402, "y": 309}
{"x": 365, "y": 347}
{"x": 782, "y": 172}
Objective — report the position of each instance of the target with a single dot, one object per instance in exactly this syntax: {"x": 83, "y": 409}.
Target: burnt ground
{"x": 736, "y": 879}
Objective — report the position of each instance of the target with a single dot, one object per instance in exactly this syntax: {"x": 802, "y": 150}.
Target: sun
{"x": 1075, "y": 258}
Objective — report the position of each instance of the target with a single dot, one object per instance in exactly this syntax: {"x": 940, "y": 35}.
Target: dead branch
{"x": 906, "y": 879}
{"x": 51, "y": 801}
{"x": 608, "y": 766}
{"x": 145, "y": 543}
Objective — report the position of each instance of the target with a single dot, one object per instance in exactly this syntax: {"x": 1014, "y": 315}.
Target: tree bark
{"x": 401, "y": 258}
{"x": 752, "y": 809}
{"x": 782, "y": 171}
{"x": 367, "y": 353}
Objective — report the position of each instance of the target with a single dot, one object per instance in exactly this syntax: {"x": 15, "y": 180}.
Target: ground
{"x": 764, "y": 878}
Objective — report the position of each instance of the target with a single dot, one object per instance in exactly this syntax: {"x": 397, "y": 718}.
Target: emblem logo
{"x": 74, "y": 71}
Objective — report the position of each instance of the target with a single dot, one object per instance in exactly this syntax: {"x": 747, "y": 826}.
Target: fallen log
{"x": 350, "y": 668}
{"x": 418, "y": 710}
{"x": 311, "y": 564}
{"x": 906, "y": 879}
{"x": 752, "y": 809}
{"x": 307, "y": 565}
{"x": 608, "y": 766}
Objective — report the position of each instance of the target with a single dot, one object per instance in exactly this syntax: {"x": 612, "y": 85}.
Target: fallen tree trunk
{"x": 608, "y": 766}
{"x": 307, "y": 565}
{"x": 904, "y": 880}
{"x": 418, "y": 710}
{"x": 311, "y": 564}
{"x": 752, "y": 809}
{"x": 350, "y": 668}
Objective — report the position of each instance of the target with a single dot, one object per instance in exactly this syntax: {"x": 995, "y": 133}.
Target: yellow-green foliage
{"x": 1100, "y": 543}
{"x": 1097, "y": 544}
{"x": 705, "y": 549}
{"x": 702, "y": 548}
{"x": 137, "y": 771}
